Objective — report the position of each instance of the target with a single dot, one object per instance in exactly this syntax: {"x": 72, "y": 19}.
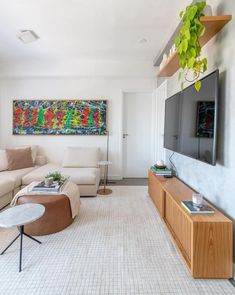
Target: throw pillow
{"x": 19, "y": 158}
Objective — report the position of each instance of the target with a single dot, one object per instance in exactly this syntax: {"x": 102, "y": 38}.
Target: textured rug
{"x": 118, "y": 245}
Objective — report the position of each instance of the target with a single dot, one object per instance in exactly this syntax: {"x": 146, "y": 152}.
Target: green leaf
{"x": 182, "y": 63}
{"x": 179, "y": 76}
{"x": 204, "y": 68}
{"x": 198, "y": 85}
{"x": 191, "y": 62}
{"x": 192, "y": 12}
{"x": 203, "y": 29}
{"x": 184, "y": 45}
{"x": 181, "y": 14}
{"x": 192, "y": 52}
{"x": 187, "y": 34}
{"x": 182, "y": 86}
{"x": 177, "y": 41}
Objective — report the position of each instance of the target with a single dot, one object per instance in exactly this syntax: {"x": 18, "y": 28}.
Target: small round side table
{"x": 20, "y": 216}
{"x": 104, "y": 190}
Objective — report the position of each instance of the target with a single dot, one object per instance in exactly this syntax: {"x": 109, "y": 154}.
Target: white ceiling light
{"x": 27, "y": 36}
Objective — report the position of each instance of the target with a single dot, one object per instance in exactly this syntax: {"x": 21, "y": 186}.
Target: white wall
{"x": 217, "y": 182}
{"x": 69, "y": 88}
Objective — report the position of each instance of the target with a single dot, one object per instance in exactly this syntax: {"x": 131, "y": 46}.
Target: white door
{"x": 161, "y": 95}
{"x": 137, "y": 131}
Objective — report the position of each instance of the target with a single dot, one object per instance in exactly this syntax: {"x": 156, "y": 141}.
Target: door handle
{"x": 124, "y": 135}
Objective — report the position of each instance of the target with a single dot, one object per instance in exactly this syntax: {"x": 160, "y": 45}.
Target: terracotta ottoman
{"x": 57, "y": 215}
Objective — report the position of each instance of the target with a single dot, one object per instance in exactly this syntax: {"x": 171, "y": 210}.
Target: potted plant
{"x": 55, "y": 176}
{"x": 188, "y": 46}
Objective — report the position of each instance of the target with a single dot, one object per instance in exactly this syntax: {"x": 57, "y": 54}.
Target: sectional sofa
{"x": 79, "y": 164}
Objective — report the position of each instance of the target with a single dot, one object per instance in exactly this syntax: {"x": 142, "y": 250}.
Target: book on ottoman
{"x": 54, "y": 187}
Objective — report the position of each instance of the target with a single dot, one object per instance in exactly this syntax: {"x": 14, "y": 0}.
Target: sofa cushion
{"x": 79, "y": 176}
{"x": 81, "y": 157}
{"x": 6, "y": 186}
{"x": 19, "y": 158}
{"x": 16, "y": 175}
{"x": 34, "y": 150}
{"x": 3, "y": 160}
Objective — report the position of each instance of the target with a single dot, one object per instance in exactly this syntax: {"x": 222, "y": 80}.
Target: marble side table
{"x": 19, "y": 216}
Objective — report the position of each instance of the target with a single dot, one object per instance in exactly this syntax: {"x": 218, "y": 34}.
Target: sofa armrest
{"x": 40, "y": 160}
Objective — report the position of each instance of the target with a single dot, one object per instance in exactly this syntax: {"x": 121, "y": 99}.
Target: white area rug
{"x": 117, "y": 246}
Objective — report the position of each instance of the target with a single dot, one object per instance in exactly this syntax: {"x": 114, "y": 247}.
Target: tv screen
{"x": 191, "y": 121}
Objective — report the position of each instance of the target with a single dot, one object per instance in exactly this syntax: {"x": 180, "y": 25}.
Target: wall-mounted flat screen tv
{"x": 191, "y": 120}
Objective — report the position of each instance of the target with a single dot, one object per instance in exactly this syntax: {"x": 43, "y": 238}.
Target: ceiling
{"x": 87, "y": 29}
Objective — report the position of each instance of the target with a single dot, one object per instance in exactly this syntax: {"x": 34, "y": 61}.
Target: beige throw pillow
{"x": 34, "y": 149}
{"x": 19, "y": 158}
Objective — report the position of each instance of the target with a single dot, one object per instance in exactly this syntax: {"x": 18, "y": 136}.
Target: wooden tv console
{"x": 204, "y": 240}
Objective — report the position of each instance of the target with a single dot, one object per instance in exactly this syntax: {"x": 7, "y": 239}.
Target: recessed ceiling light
{"x": 27, "y": 36}
{"x": 143, "y": 40}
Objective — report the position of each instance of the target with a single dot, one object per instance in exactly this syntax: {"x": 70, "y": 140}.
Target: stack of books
{"x": 161, "y": 172}
{"x": 195, "y": 209}
{"x": 53, "y": 188}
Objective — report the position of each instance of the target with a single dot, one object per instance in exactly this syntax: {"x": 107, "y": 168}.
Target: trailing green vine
{"x": 188, "y": 46}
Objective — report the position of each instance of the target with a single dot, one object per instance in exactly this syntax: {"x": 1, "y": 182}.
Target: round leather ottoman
{"x": 57, "y": 215}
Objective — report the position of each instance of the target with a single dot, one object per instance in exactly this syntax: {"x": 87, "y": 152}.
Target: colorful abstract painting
{"x": 59, "y": 117}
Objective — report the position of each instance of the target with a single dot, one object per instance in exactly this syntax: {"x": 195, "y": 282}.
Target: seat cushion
{"x": 79, "y": 176}
{"x": 6, "y": 186}
{"x": 16, "y": 175}
{"x": 81, "y": 157}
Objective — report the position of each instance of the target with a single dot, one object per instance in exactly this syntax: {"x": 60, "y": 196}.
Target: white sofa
{"x": 6, "y": 191}
{"x": 79, "y": 164}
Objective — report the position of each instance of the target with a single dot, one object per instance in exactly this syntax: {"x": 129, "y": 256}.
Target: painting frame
{"x": 101, "y": 104}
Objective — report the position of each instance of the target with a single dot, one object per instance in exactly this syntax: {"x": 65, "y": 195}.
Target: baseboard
{"x": 114, "y": 177}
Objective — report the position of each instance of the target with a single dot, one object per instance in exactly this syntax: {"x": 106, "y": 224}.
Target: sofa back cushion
{"x": 19, "y": 158}
{"x": 34, "y": 150}
{"x": 81, "y": 157}
{"x": 3, "y": 160}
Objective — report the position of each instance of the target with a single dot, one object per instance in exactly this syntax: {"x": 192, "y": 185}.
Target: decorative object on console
{"x": 188, "y": 45}
{"x": 160, "y": 164}
{"x": 161, "y": 171}
{"x": 197, "y": 199}
{"x": 59, "y": 117}
{"x": 195, "y": 209}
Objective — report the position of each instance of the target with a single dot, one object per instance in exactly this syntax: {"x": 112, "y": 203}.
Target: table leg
{"x": 21, "y": 245}
{"x": 10, "y": 245}
{"x": 32, "y": 238}
{"x": 21, "y": 234}
{"x": 105, "y": 167}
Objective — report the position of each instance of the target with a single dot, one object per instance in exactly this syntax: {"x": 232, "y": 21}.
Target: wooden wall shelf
{"x": 205, "y": 241}
{"x": 213, "y": 25}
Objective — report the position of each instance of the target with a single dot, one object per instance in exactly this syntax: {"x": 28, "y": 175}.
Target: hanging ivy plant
{"x": 188, "y": 46}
